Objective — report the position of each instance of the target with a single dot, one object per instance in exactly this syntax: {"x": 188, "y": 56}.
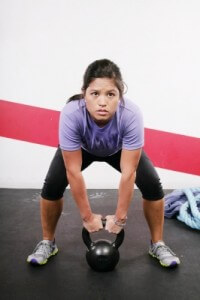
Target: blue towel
{"x": 173, "y": 202}
{"x": 185, "y": 206}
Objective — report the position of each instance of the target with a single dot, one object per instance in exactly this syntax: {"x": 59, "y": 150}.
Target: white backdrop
{"x": 47, "y": 44}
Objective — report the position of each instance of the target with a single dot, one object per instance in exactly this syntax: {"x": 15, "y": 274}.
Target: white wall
{"x": 47, "y": 44}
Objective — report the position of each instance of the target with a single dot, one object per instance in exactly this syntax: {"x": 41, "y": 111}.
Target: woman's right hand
{"x": 94, "y": 223}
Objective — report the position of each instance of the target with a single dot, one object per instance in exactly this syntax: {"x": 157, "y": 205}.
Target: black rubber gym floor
{"x": 67, "y": 275}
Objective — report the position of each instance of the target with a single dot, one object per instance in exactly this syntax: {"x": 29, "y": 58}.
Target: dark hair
{"x": 99, "y": 69}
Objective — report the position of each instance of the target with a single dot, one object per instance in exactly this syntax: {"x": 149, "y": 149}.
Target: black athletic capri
{"x": 147, "y": 179}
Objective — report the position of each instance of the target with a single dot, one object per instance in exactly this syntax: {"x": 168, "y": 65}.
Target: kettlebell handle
{"x": 86, "y": 238}
{"x": 89, "y": 243}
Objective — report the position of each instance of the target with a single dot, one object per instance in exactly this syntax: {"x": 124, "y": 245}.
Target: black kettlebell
{"x": 102, "y": 255}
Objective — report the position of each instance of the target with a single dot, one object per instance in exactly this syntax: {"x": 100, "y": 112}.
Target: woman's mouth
{"x": 102, "y": 112}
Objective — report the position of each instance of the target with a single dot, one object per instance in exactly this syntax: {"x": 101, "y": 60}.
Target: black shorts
{"x": 147, "y": 179}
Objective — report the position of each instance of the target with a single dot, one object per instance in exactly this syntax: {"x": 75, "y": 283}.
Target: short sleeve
{"x": 69, "y": 136}
{"x": 133, "y": 135}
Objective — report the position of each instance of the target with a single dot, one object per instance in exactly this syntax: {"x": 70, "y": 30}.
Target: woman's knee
{"x": 55, "y": 182}
{"x": 147, "y": 180}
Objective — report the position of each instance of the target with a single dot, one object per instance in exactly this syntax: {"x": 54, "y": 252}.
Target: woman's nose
{"x": 102, "y": 101}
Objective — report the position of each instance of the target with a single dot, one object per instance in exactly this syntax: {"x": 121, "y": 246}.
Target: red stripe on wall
{"x": 29, "y": 123}
{"x": 173, "y": 151}
{"x": 39, "y": 125}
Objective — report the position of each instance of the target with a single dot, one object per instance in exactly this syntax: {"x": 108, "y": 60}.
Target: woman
{"x": 100, "y": 125}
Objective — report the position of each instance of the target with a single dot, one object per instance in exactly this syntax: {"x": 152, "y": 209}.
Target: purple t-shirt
{"x": 78, "y": 130}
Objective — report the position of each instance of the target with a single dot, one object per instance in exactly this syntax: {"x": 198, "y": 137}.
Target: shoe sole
{"x": 172, "y": 265}
{"x": 36, "y": 263}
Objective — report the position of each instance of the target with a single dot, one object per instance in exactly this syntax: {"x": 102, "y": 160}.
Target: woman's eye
{"x": 94, "y": 93}
{"x": 111, "y": 94}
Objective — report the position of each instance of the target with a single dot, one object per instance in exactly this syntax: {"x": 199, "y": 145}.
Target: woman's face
{"x": 102, "y": 98}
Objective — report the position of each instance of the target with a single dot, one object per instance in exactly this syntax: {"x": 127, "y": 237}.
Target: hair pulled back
{"x": 102, "y": 68}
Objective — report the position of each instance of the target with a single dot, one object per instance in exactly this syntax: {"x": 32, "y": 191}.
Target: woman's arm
{"x": 73, "y": 162}
{"x": 129, "y": 162}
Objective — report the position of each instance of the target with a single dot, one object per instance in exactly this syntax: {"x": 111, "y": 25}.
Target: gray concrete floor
{"x": 67, "y": 275}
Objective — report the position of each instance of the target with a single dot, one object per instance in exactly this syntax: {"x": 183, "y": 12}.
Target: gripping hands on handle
{"x": 94, "y": 224}
{"x": 112, "y": 225}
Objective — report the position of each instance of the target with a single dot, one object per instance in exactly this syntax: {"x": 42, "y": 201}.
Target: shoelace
{"x": 43, "y": 248}
{"x": 164, "y": 250}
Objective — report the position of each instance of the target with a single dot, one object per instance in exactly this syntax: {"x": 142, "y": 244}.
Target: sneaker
{"x": 42, "y": 252}
{"x": 164, "y": 254}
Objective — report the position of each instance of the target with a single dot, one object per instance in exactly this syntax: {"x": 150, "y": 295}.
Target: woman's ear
{"x": 83, "y": 92}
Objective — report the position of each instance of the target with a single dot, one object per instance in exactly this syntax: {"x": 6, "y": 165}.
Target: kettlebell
{"x": 102, "y": 255}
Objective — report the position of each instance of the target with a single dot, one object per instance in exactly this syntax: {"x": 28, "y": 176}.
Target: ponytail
{"x": 75, "y": 97}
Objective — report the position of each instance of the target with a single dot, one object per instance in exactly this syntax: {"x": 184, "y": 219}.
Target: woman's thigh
{"x": 56, "y": 181}
{"x": 147, "y": 179}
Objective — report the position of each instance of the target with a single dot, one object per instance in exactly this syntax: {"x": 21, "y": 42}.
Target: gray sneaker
{"x": 42, "y": 252}
{"x": 164, "y": 254}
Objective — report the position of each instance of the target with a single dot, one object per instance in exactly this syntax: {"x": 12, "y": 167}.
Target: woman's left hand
{"x": 111, "y": 226}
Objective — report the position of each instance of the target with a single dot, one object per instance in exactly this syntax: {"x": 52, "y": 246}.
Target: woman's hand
{"x": 94, "y": 223}
{"x": 111, "y": 226}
